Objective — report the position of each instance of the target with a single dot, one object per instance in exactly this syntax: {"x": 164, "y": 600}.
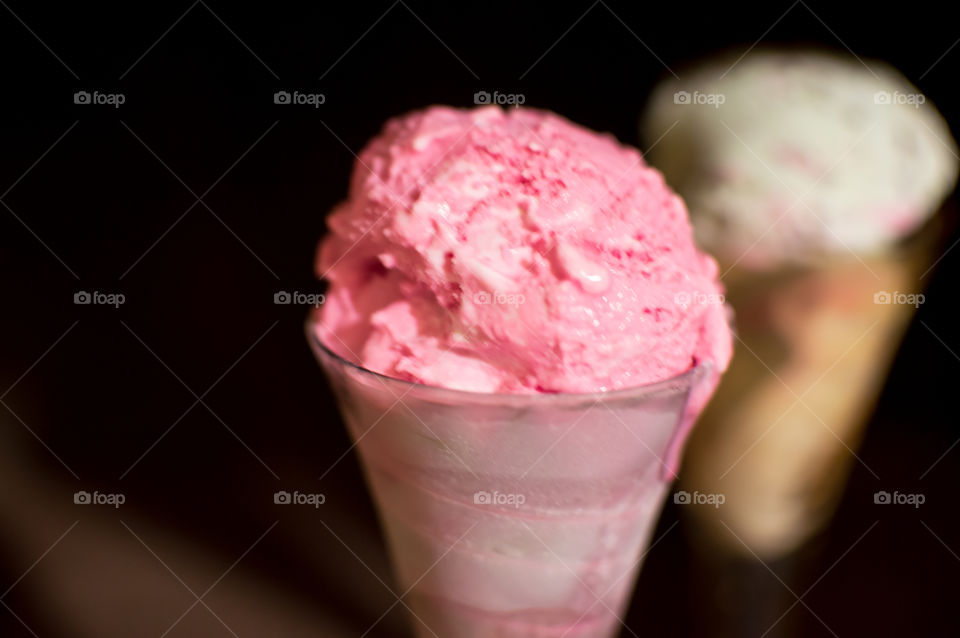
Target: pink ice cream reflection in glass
{"x": 520, "y": 332}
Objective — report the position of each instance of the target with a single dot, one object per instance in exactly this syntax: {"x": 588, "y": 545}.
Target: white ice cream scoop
{"x": 797, "y": 155}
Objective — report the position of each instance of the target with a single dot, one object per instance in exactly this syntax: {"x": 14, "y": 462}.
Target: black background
{"x": 111, "y": 207}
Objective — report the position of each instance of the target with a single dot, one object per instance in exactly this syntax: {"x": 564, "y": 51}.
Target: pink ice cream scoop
{"x": 498, "y": 265}
{"x": 515, "y": 252}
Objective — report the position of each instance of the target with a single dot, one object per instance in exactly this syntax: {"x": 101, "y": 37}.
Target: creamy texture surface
{"x": 792, "y": 156}
{"x": 513, "y": 251}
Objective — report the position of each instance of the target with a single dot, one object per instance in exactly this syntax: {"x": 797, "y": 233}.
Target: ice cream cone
{"x": 813, "y": 178}
{"x": 521, "y": 515}
{"x": 816, "y": 344}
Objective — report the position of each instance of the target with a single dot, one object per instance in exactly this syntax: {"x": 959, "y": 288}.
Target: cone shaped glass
{"x": 514, "y": 515}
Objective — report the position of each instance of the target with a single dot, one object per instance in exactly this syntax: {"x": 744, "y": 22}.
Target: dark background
{"x": 105, "y": 199}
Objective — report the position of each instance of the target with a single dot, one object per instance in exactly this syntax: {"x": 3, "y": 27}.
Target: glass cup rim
{"x": 684, "y": 381}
